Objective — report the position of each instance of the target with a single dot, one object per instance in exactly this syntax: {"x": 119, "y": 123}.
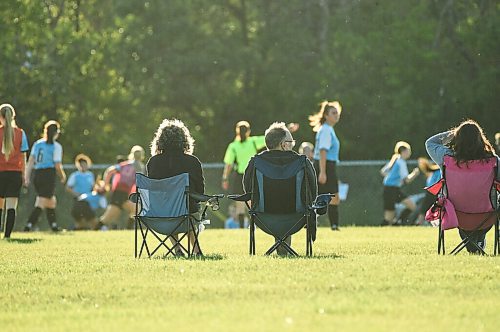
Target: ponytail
{"x": 8, "y": 113}
{"x": 51, "y": 129}
{"x": 242, "y": 128}
{"x": 400, "y": 147}
{"x": 318, "y": 119}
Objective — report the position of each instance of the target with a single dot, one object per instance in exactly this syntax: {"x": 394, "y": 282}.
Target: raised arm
{"x": 436, "y": 147}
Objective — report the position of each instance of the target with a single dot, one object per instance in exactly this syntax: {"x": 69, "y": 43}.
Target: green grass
{"x": 366, "y": 279}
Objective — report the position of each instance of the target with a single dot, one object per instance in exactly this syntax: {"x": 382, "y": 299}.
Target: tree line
{"x": 110, "y": 70}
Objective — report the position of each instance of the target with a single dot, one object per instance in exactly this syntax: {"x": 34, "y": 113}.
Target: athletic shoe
{"x": 54, "y": 228}
{"x": 27, "y": 228}
{"x": 335, "y": 228}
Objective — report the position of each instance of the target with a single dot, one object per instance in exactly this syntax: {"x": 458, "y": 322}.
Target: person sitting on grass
{"x": 86, "y": 205}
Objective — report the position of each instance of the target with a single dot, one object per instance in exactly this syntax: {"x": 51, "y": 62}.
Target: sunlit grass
{"x": 359, "y": 279}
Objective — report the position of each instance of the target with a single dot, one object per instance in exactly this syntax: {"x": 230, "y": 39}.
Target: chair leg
{"x": 497, "y": 240}
{"x": 308, "y": 243}
{"x": 252, "y": 237}
{"x": 135, "y": 242}
{"x": 441, "y": 241}
{"x": 273, "y": 248}
{"x": 460, "y": 246}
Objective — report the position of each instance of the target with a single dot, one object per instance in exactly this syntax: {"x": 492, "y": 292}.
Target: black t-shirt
{"x": 166, "y": 165}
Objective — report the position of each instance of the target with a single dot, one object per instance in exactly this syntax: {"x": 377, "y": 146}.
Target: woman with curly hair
{"x": 172, "y": 154}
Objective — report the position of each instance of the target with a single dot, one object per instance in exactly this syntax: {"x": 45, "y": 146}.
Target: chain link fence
{"x": 362, "y": 207}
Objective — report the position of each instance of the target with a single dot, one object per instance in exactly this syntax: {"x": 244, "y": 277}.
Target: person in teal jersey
{"x": 84, "y": 210}
{"x": 326, "y": 155}
{"x": 46, "y": 160}
{"x": 396, "y": 174}
{"x": 238, "y": 154}
{"x": 13, "y": 148}
{"x": 81, "y": 181}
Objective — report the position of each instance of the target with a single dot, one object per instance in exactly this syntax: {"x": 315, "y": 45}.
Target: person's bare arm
{"x": 322, "y": 167}
{"x": 60, "y": 172}
{"x": 28, "y": 170}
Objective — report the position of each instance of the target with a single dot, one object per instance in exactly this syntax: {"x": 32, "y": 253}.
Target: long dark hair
{"x": 469, "y": 143}
{"x": 50, "y": 130}
{"x": 242, "y": 128}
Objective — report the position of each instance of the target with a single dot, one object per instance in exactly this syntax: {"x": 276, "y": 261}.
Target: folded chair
{"x": 467, "y": 199}
{"x": 162, "y": 210}
{"x": 297, "y": 207}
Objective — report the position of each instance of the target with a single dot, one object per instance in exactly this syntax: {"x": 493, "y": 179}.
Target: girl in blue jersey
{"x": 46, "y": 160}
{"x": 81, "y": 181}
{"x": 13, "y": 147}
{"x": 86, "y": 205}
{"x": 326, "y": 155}
{"x": 396, "y": 174}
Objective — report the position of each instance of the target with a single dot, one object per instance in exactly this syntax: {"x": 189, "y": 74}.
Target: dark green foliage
{"x": 110, "y": 70}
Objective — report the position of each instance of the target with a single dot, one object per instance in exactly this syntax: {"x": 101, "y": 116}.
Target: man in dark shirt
{"x": 279, "y": 143}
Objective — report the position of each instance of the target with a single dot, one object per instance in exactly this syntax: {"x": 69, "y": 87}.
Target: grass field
{"x": 361, "y": 279}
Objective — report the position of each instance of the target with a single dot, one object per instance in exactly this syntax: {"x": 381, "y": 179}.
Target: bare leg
{"x": 110, "y": 215}
{"x": 389, "y": 216}
{"x": 409, "y": 204}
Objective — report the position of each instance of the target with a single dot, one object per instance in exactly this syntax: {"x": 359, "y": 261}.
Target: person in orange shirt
{"x": 13, "y": 147}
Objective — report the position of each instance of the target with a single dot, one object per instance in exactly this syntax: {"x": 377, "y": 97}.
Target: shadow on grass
{"x": 314, "y": 257}
{"x": 209, "y": 257}
{"x": 23, "y": 241}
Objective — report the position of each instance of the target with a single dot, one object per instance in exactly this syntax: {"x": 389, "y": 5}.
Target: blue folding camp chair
{"x": 162, "y": 210}
{"x": 282, "y": 220}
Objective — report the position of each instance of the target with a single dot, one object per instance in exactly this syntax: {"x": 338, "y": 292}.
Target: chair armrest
{"x": 241, "y": 198}
{"x": 321, "y": 202}
{"x": 204, "y": 197}
{"x": 134, "y": 197}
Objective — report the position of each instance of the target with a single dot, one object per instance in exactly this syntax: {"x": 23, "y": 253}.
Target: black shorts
{"x": 118, "y": 198}
{"x": 392, "y": 195}
{"x": 427, "y": 202}
{"x": 10, "y": 184}
{"x": 45, "y": 182}
{"x": 332, "y": 182}
{"x": 82, "y": 210}
{"x": 236, "y": 183}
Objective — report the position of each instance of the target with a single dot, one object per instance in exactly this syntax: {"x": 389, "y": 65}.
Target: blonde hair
{"x": 426, "y": 167}
{"x": 398, "y": 148}
{"x": 9, "y": 114}
{"x": 316, "y": 120}
{"x": 136, "y": 153}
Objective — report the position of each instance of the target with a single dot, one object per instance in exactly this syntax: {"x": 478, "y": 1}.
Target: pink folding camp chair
{"x": 467, "y": 198}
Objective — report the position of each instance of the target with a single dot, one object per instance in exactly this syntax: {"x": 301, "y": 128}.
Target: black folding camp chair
{"x": 282, "y": 220}
{"x": 162, "y": 210}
